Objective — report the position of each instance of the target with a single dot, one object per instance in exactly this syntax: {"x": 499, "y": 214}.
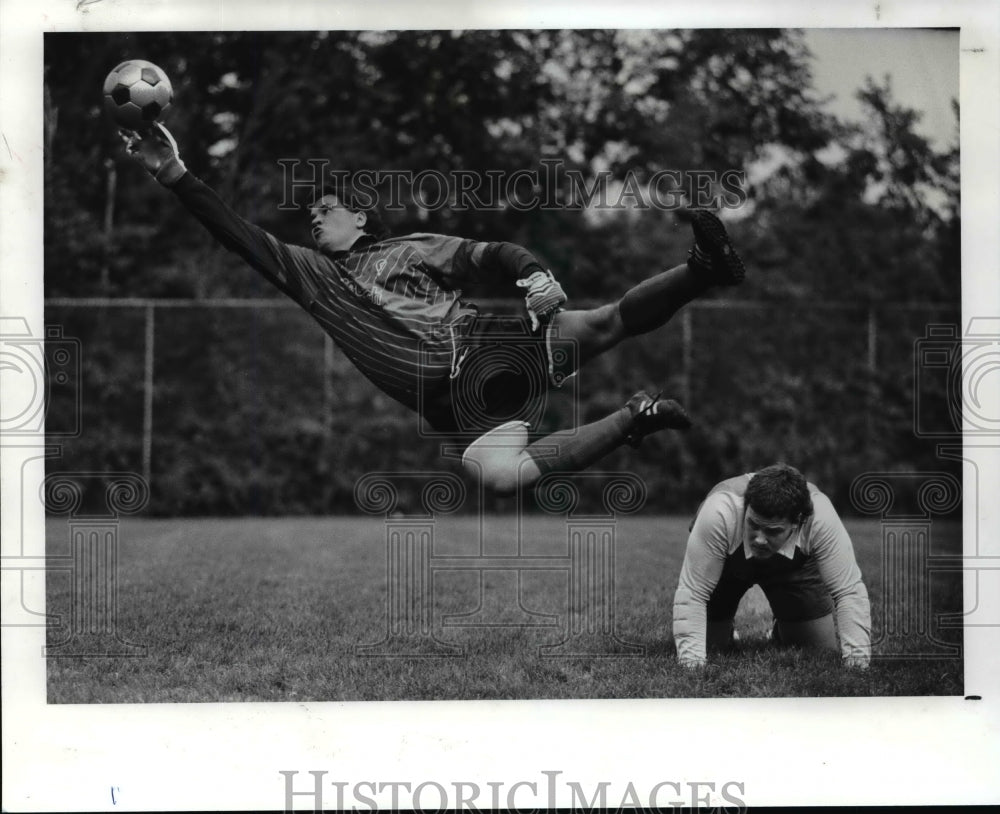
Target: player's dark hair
{"x": 779, "y": 490}
{"x": 356, "y": 201}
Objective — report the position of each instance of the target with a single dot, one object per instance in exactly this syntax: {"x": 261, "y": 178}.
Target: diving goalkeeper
{"x": 394, "y": 306}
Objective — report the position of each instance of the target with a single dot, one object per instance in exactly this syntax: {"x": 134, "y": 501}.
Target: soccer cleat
{"x": 650, "y": 414}
{"x": 713, "y": 254}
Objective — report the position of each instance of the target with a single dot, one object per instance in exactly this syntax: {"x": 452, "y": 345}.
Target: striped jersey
{"x": 392, "y": 306}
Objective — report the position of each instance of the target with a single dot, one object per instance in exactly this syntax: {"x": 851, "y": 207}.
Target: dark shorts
{"x": 503, "y": 374}
{"x": 794, "y": 588}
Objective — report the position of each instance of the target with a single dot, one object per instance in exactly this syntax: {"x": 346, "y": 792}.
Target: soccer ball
{"x": 136, "y": 93}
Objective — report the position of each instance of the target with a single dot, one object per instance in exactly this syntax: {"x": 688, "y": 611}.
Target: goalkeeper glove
{"x": 544, "y": 297}
{"x": 157, "y": 151}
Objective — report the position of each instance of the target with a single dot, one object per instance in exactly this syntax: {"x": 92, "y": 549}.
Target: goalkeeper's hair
{"x": 355, "y": 201}
{"x": 779, "y": 490}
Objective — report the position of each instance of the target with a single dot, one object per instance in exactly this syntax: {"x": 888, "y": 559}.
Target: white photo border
{"x": 881, "y": 751}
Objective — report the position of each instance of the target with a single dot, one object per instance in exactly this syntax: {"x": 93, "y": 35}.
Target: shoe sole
{"x": 679, "y": 414}
{"x": 711, "y": 235}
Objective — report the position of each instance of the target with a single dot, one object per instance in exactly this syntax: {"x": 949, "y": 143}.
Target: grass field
{"x": 279, "y": 609}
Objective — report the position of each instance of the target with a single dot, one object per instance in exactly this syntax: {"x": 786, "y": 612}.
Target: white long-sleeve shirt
{"x": 717, "y": 533}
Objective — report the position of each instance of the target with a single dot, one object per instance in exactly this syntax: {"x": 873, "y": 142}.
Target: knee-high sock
{"x": 574, "y": 450}
{"x": 652, "y": 302}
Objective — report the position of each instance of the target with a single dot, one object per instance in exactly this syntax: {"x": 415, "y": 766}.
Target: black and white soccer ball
{"x": 136, "y": 93}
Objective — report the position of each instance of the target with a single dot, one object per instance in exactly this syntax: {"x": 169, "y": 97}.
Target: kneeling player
{"x": 771, "y": 528}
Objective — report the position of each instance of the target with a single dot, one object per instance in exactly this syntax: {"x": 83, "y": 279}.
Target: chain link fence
{"x": 242, "y": 406}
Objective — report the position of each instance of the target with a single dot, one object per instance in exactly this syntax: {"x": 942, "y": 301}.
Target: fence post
{"x": 327, "y": 387}
{"x": 872, "y": 366}
{"x": 147, "y": 395}
{"x": 687, "y": 331}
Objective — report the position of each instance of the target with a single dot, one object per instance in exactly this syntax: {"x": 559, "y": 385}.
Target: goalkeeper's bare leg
{"x": 504, "y": 460}
{"x": 651, "y": 304}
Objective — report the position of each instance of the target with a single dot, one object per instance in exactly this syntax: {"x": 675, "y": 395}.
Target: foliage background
{"x": 851, "y": 226}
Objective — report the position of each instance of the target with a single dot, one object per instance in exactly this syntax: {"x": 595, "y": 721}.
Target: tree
{"x": 866, "y": 214}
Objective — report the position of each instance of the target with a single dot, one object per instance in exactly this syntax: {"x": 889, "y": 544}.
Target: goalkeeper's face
{"x": 334, "y": 226}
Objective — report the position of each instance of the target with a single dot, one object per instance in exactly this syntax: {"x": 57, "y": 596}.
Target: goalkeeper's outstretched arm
{"x": 158, "y": 153}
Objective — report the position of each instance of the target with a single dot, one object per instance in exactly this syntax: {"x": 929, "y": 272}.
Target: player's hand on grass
{"x": 157, "y": 151}
{"x": 544, "y": 297}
